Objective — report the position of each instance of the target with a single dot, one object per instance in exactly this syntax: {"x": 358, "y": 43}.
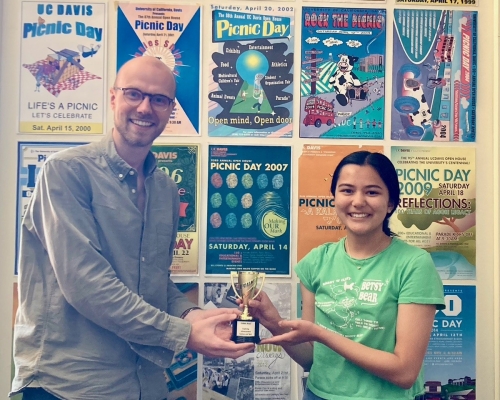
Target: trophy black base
{"x": 246, "y": 331}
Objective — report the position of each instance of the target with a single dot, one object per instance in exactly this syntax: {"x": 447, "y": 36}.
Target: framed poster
{"x": 182, "y": 163}
{"x": 251, "y": 70}
{"x": 262, "y": 374}
{"x": 437, "y": 210}
{"x": 434, "y": 75}
{"x": 450, "y": 361}
{"x": 63, "y": 53}
{"x": 318, "y": 222}
{"x": 30, "y": 158}
{"x": 342, "y": 80}
{"x": 171, "y": 33}
{"x": 248, "y": 225}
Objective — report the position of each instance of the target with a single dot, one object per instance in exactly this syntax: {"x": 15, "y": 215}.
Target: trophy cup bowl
{"x": 246, "y": 327}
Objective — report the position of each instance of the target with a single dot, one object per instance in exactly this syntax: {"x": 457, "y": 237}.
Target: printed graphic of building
{"x": 466, "y": 388}
{"x": 372, "y": 63}
{"x": 465, "y": 381}
{"x": 433, "y": 391}
{"x": 445, "y": 48}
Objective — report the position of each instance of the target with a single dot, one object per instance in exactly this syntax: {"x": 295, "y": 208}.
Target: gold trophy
{"x": 246, "y": 327}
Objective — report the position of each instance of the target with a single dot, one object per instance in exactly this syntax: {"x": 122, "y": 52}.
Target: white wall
{"x": 496, "y": 191}
{"x": 487, "y": 145}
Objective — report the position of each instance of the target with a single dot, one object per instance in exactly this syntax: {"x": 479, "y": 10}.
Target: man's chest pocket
{"x": 116, "y": 225}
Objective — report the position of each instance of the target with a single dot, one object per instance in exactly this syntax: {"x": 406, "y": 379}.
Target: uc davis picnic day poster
{"x": 170, "y": 33}
{"x": 63, "y": 49}
{"x": 251, "y": 71}
{"x": 342, "y": 82}
{"x": 437, "y": 210}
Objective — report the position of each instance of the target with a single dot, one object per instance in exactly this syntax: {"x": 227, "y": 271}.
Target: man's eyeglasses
{"x": 134, "y": 97}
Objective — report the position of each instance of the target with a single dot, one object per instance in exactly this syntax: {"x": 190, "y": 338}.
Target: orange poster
{"x": 317, "y": 220}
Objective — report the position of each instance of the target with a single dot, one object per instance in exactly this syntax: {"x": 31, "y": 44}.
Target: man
{"x": 99, "y": 317}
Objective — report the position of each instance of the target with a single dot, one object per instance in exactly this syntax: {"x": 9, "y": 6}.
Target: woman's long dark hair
{"x": 386, "y": 171}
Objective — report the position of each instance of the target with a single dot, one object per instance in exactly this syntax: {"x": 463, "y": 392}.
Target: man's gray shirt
{"x": 98, "y": 313}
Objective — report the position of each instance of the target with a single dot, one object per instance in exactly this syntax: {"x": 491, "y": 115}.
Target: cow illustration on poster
{"x": 434, "y": 82}
{"x": 342, "y": 73}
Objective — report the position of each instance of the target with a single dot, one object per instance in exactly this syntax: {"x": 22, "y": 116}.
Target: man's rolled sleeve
{"x": 175, "y": 339}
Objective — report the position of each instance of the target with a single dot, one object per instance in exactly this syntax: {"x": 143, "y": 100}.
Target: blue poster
{"x": 435, "y": 75}
{"x": 170, "y": 33}
{"x": 248, "y": 225}
{"x": 450, "y": 362}
{"x": 251, "y": 71}
{"x": 31, "y": 157}
{"x": 342, "y": 80}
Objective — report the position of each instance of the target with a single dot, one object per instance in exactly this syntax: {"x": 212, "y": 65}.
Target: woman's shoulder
{"x": 408, "y": 256}
{"x": 331, "y": 246}
{"x": 326, "y": 249}
{"x": 311, "y": 267}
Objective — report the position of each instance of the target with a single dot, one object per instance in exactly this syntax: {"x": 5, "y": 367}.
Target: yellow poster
{"x": 437, "y": 209}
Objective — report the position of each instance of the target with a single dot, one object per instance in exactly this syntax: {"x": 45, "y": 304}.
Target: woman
{"x": 369, "y": 300}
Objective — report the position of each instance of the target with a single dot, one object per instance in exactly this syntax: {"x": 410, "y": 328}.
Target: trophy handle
{"x": 234, "y": 274}
{"x": 263, "y": 276}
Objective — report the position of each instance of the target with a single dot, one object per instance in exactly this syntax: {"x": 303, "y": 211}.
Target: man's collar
{"x": 117, "y": 164}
